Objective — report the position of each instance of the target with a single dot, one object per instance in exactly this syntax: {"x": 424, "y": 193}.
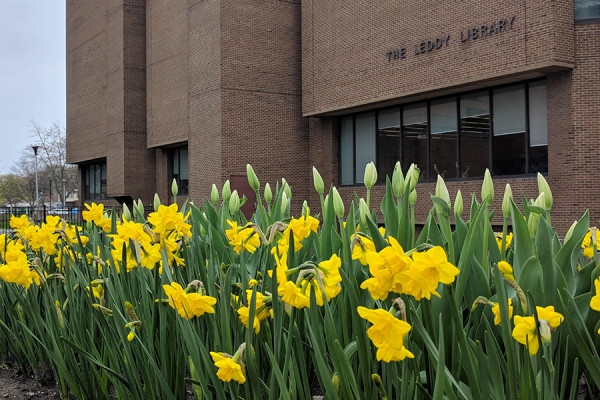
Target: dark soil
{"x": 15, "y": 384}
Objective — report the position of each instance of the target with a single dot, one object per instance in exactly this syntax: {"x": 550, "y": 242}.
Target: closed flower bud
{"x": 398, "y": 180}
{"x": 534, "y": 217}
{"x": 156, "y": 201}
{"x": 130, "y": 336}
{"x": 543, "y": 187}
{"x": 234, "y": 202}
{"x": 458, "y": 204}
{"x": 126, "y": 212}
{"x": 174, "y": 188}
{"x": 441, "y": 190}
{"x": 412, "y": 198}
{"x": 335, "y": 380}
{"x": 305, "y": 210}
{"x": 268, "y": 193}
{"x": 252, "y": 178}
{"x": 540, "y": 201}
{"x": 487, "y": 188}
{"x": 287, "y": 189}
{"x": 370, "y": 175}
{"x": 506, "y": 200}
{"x": 139, "y": 207}
{"x": 338, "y": 204}
{"x": 284, "y": 203}
{"x": 214, "y": 194}
{"x": 318, "y": 181}
{"x": 570, "y": 232}
{"x": 364, "y": 212}
{"x": 413, "y": 176}
{"x": 226, "y": 191}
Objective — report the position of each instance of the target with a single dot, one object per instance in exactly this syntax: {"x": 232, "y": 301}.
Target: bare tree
{"x": 52, "y": 155}
{"x": 12, "y": 187}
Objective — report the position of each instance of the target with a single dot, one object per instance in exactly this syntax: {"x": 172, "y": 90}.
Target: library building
{"x": 194, "y": 90}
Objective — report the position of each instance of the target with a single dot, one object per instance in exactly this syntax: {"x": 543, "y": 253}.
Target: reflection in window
{"x": 587, "y": 9}
{"x": 454, "y": 136}
{"x": 388, "y": 142}
{"x": 180, "y": 169}
{"x": 509, "y": 140}
{"x": 94, "y": 176}
{"x": 444, "y": 138}
{"x": 538, "y": 128}
{"x": 347, "y": 151}
{"x": 414, "y": 138}
{"x": 474, "y": 134}
{"x": 365, "y": 143}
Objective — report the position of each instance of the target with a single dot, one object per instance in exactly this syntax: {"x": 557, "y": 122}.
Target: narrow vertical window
{"x": 347, "y": 151}
{"x": 509, "y": 141}
{"x": 365, "y": 143}
{"x": 388, "y": 142}
{"x": 538, "y": 128}
{"x": 474, "y": 134}
{"x": 103, "y": 182}
{"x": 414, "y": 138}
{"x": 444, "y": 138}
{"x": 94, "y": 176}
{"x": 180, "y": 169}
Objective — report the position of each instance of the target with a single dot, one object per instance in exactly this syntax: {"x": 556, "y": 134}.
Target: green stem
{"x": 445, "y": 224}
{"x": 412, "y": 226}
{"x": 504, "y": 233}
{"x": 486, "y": 227}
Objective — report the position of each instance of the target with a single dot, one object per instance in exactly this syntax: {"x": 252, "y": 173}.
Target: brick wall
{"x": 106, "y": 93}
{"x": 346, "y": 64}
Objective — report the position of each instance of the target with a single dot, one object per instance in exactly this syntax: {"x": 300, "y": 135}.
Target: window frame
{"x": 432, "y": 175}
{"x": 183, "y": 189}
{"x": 90, "y": 185}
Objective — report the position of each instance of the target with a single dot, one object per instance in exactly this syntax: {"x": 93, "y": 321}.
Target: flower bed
{"x": 351, "y": 302}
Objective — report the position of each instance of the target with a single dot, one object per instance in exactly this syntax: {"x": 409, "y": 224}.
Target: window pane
{"x": 103, "y": 185}
{"x": 443, "y": 138}
{"x": 509, "y": 110}
{"x": 97, "y": 181}
{"x": 508, "y": 157}
{"x": 414, "y": 138}
{"x": 365, "y": 143}
{"x": 388, "y": 142}
{"x": 176, "y": 162}
{"x": 183, "y": 163}
{"x": 587, "y": 9}
{"x": 538, "y": 127}
{"x": 87, "y": 182}
{"x": 347, "y": 151}
{"x": 538, "y": 114}
{"x": 474, "y": 134}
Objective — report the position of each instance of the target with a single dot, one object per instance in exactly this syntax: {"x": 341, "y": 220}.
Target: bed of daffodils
{"x": 350, "y": 303}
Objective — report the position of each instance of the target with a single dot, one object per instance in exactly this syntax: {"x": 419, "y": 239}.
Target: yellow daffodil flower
{"x": 227, "y": 368}
{"x": 188, "y": 305}
{"x": 496, "y": 312}
{"x": 587, "y": 244}
{"x": 387, "y": 334}
{"x": 506, "y": 270}
{"x": 526, "y": 333}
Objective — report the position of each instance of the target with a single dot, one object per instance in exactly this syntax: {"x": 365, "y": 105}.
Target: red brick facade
{"x": 264, "y": 82}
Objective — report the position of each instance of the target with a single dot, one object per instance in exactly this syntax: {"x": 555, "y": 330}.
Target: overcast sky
{"x": 32, "y": 72}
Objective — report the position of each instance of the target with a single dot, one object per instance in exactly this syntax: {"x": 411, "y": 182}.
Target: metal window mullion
{"x": 428, "y": 132}
{"x": 491, "y": 130}
{"x": 526, "y": 127}
{"x": 458, "y": 130}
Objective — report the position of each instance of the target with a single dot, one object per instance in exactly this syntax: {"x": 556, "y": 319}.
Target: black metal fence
{"x": 71, "y": 214}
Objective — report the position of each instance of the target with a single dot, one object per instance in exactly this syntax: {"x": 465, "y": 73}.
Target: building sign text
{"x": 472, "y": 33}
